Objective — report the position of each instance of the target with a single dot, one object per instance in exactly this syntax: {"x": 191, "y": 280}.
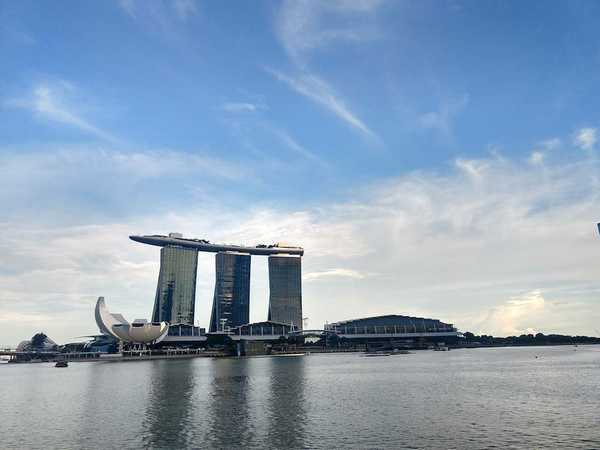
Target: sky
{"x": 434, "y": 158}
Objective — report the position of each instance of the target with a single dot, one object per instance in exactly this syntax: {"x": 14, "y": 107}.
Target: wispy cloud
{"x": 294, "y": 145}
{"x": 48, "y": 103}
{"x": 105, "y": 183}
{"x": 475, "y": 168}
{"x": 494, "y": 256}
{"x": 318, "y": 91}
{"x": 542, "y": 149}
{"x": 159, "y": 10}
{"x": 241, "y": 107}
{"x": 441, "y": 120}
{"x": 585, "y": 138}
{"x": 307, "y": 25}
{"x": 171, "y": 20}
{"x": 336, "y": 273}
{"x": 185, "y": 8}
{"x": 550, "y": 144}
{"x": 536, "y": 157}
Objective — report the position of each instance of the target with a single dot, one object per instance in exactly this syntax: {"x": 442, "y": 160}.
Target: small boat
{"x": 377, "y": 354}
{"x": 61, "y": 364}
{"x": 441, "y": 348}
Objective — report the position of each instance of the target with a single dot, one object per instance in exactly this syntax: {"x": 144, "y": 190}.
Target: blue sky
{"x": 435, "y": 158}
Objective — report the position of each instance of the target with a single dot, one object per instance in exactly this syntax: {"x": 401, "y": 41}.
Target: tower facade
{"x": 176, "y": 290}
{"x": 231, "y": 302}
{"x": 285, "y": 290}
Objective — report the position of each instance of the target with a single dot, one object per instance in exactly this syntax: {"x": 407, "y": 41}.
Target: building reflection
{"x": 225, "y": 403}
{"x": 256, "y": 402}
{"x": 228, "y": 411}
{"x": 286, "y": 405}
{"x": 169, "y": 408}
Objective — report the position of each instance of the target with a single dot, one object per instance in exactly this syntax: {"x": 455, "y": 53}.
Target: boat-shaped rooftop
{"x": 202, "y": 245}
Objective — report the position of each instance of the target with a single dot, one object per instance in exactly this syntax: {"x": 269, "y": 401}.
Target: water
{"x": 480, "y": 398}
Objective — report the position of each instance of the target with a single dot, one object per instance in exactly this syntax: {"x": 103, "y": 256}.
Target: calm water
{"x": 483, "y": 398}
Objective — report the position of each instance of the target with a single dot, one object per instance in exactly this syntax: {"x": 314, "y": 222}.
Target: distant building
{"x": 390, "y": 324}
{"x": 231, "y": 302}
{"x": 285, "y": 290}
{"x": 176, "y": 290}
{"x": 394, "y": 328}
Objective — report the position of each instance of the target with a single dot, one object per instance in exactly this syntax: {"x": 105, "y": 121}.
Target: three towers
{"x": 176, "y": 289}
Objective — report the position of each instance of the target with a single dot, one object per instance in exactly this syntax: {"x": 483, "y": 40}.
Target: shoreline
{"x": 112, "y": 358}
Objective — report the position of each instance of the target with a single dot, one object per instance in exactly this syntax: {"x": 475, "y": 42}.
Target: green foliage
{"x": 529, "y": 339}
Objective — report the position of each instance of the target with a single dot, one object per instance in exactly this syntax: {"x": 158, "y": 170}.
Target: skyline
{"x": 432, "y": 159}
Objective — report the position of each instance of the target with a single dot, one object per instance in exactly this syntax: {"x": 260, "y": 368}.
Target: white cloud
{"x": 441, "y": 120}
{"x": 240, "y": 107}
{"x": 531, "y": 312}
{"x": 317, "y": 90}
{"x": 304, "y": 26}
{"x": 518, "y": 315}
{"x": 475, "y": 168}
{"x": 441, "y": 245}
{"x": 185, "y": 8}
{"x": 550, "y": 144}
{"x": 97, "y": 182}
{"x": 49, "y": 103}
{"x": 536, "y": 157}
{"x": 169, "y": 19}
{"x": 585, "y": 138}
{"x": 294, "y": 145}
{"x": 159, "y": 10}
{"x": 307, "y": 25}
{"x": 336, "y": 273}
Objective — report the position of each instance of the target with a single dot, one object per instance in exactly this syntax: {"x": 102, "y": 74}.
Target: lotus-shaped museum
{"x": 139, "y": 332}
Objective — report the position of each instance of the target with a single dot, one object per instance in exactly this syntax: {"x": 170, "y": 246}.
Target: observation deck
{"x": 203, "y": 245}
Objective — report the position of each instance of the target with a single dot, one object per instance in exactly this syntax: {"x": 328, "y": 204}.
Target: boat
{"x": 61, "y": 364}
{"x": 441, "y": 348}
{"x": 377, "y": 354}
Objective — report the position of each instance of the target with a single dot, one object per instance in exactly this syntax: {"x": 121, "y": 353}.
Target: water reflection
{"x": 286, "y": 402}
{"x": 228, "y": 410}
{"x": 169, "y": 407}
{"x": 256, "y": 402}
{"x": 470, "y": 399}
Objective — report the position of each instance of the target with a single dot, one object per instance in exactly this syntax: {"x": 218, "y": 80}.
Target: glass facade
{"x": 285, "y": 290}
{"x": 231, "y": 303}
{"x": 176, "y": 289}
